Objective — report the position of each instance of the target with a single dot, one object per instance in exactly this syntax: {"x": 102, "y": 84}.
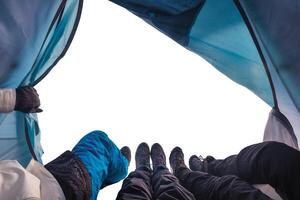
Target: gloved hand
{"x": 27, "y": 100}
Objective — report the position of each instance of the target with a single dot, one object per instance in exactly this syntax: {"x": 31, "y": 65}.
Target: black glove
{"x": 27, "y": 100}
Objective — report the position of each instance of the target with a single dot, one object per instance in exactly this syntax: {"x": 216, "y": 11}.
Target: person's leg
{"x": 206, "y": 186}
{"x": 229, "y": 187}
{"x": 103, "y": 160}
{"x": 137, "y": 186}
{"x": 94, "y": 162}
{"x": 219, "y": 167}
{"x": 165, "y": 185}
{"x": 271, "y": 163}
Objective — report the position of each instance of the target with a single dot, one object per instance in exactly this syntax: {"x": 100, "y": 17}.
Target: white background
{"x": 124, "y": 77}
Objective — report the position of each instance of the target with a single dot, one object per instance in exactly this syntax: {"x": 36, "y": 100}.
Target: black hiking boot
{"x": 142, "y": 156}
{"x": 199, "y": 164}
{"x": 178, "y": 166}
{"x": 196, "y": 163}
{"x": 126, "y": 153}
{"x": 209, "y": 159}
{"x": 177, "y": 160}
{"x": 158, "y": 156}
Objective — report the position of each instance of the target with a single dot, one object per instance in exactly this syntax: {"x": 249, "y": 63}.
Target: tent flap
{"x": 35, "y": 35}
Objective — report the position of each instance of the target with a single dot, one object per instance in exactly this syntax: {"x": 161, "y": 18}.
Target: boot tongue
{"x": 159, "y": 160}
{"x": 177, "y": 160}
{"x": 143, "y": 158}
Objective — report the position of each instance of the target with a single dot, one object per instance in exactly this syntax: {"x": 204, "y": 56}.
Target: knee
{"x": 95, "y": 142}
{"x": 97, "y": 134}
{"x": 275, "y": 144}
{"x": 284, "y": 153}
{"x": 97, "y": 137}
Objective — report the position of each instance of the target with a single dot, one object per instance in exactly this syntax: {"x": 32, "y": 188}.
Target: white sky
{"x": 124, "y": 77}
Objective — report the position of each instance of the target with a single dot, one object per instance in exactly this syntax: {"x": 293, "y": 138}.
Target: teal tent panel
{"x": 277, "y": 28}
{"x": 277, "y": 34}
{"x": 40, "y": 34}
{"x": 56, "y": 43}
{"x": 213, "y": 29}
{"x": 173, "y": 18}
{"x": 24, "y": 26}
{"x": 13, "y": 140}
{"x": 226, "y": 43}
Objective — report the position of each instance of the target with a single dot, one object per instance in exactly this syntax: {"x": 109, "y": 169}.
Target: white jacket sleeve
{"x": 7, "y": 100}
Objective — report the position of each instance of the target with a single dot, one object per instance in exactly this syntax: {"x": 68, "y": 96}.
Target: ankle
{"x": 159, "y": 167}
{"x": 144, "y": 168}
{"x": 181, "y": 173}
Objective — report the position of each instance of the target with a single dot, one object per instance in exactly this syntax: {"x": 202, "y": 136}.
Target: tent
{"x": 253, "y": 43}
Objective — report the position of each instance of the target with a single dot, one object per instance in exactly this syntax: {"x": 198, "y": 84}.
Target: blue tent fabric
{"x": 254, "y": 43}
{"x": 224, "y": 41}
{"x": 34, "y": 36}
{"x": 277, "y": 35}
{"x": 174, "y": 18}
{"x": 103, "y": 160}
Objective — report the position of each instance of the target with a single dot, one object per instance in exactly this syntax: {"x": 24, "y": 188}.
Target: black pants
{"x": 205, "y": 186}
{"x": 142, "y": 184}
{"x": 270, "y": 163}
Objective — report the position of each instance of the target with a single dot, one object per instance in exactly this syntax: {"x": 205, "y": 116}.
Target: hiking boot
{"x": 126, "y": 153}
{"x": 196, "y": 163}
{"x": 177, "y": 160}
{"x": 142, "y": 156}
{"x": 158, "y": 156}
{"x": 199, "y": 164}
{"x": 209, "y": 159}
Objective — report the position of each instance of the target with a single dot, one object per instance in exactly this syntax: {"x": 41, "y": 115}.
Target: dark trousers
{"x": 208, "y": 187}
{"x": 270, "y": 163}
{"x": 142, "y": 184}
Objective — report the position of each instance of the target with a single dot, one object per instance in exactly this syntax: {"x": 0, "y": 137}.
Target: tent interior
{"x": 122, "y": 76}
